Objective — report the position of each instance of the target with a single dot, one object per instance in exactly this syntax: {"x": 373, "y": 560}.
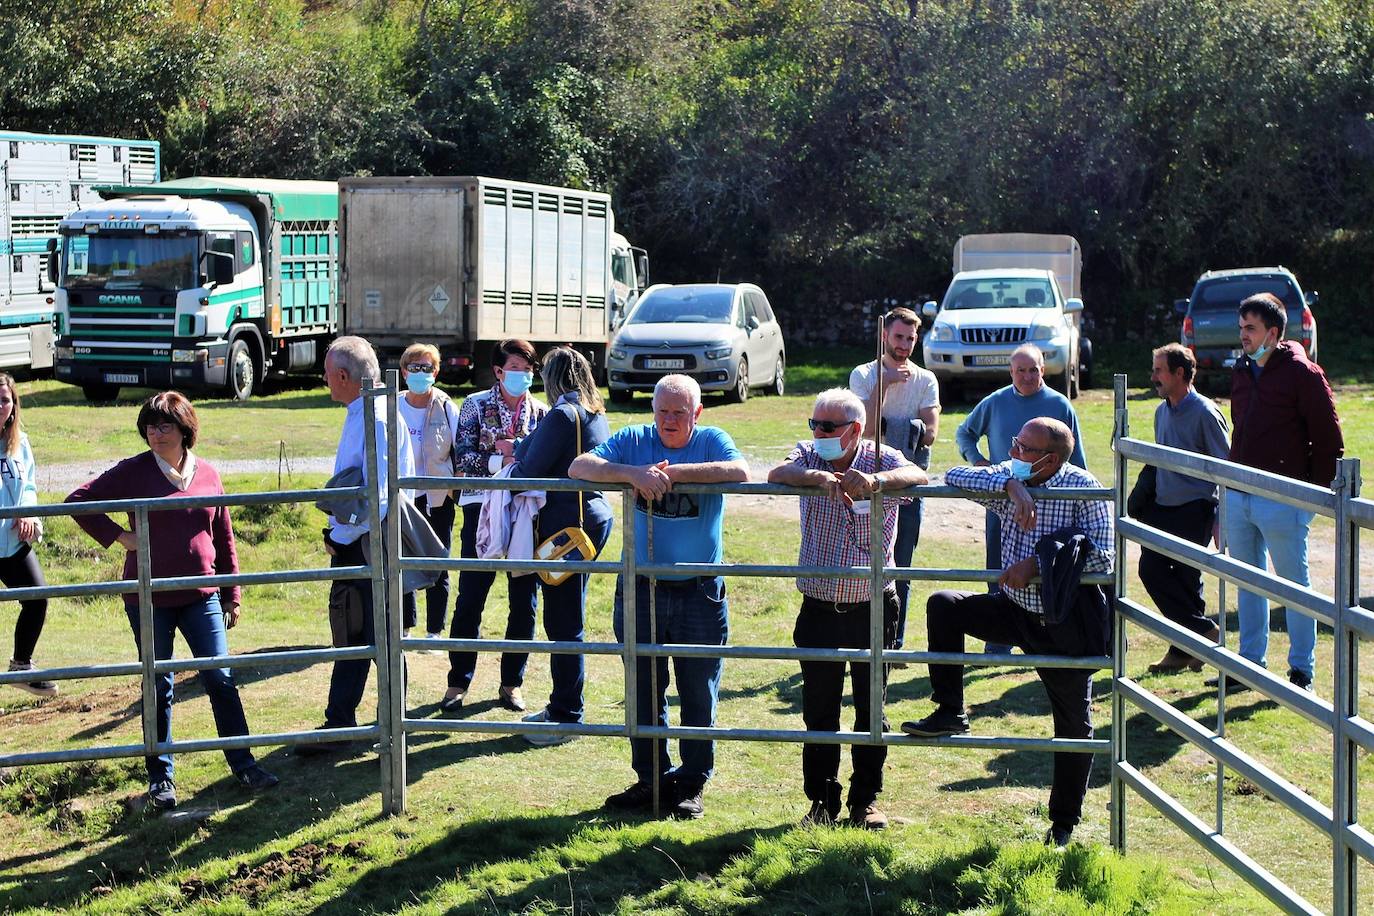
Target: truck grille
{"x": 993, "y": 335}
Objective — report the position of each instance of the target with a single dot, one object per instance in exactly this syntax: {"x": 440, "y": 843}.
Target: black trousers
{"x": 826, "y": 625}
{"x": 996, "y": 618}
{"x": 1175, "y": 587}
{"x": 22, "y": 571}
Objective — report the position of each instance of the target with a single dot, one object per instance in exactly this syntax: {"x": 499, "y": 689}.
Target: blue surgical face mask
{"x": 830, "y": 449}
{"x": 1259, "y": 352}
{"x": 1024, "y": 470}
{"x": 419, "y": 382}
{"x": 517, "y": 383}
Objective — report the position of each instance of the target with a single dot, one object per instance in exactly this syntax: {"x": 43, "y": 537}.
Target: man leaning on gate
{"x": 1059, "y": 541}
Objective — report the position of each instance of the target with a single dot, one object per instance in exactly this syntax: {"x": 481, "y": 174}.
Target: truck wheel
{"x": 740, "y": 393}
{"x": 1085, "y": 363}
{"x": 622, "y": 395}
{"x": 243, "y": 371}
{"x": 99, "y": 392}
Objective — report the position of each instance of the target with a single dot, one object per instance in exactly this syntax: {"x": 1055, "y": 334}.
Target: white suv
{"x": 987, "y": 314}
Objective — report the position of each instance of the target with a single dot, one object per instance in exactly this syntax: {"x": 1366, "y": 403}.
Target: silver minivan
{"x": 724, "y": 335}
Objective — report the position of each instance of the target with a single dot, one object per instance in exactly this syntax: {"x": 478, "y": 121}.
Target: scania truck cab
{"x": 196, "y": 283}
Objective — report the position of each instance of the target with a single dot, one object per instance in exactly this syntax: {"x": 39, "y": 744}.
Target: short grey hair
{"x": 679, "y": 384}
{"x": 845, "y": 400}
{"x": 1030, "y": 350}
{"x": 1060, "y": 436}
{"x": 355, "y": 356}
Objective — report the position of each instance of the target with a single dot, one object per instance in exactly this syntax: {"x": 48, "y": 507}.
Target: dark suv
{"x": 1211, "y": 325}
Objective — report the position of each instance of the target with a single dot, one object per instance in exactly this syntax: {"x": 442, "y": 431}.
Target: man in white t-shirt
{"x": 910, "y": 421}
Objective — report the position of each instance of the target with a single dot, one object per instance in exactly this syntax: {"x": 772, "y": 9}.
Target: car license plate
{"x": 992, "y": 360}
{"x": 664, "y": 364}
{"x": 122, "y": 378}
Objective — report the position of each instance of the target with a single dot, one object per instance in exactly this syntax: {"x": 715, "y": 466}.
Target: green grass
{"x": 496, "y": 826}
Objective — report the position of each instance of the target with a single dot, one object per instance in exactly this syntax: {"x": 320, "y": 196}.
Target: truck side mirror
{"x": 52, "y": 261}
{"x": 642, "y": 269}
{"x": 1073, "y": 305}
{"x": 929, "y": 309}
{"x": 221, "y": 266}
{"x": 1180, "y": 306}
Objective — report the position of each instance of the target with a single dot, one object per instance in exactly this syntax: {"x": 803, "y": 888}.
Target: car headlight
{"x": 719, "y": 349}
{"x": 1041, "y": 332}
{"x": 617, "y": 353}
{"x": 942, "y": 332}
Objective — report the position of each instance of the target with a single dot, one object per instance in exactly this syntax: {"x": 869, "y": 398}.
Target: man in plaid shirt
{"x": 1039, "y": 457}
{"x": 834, "y": 614}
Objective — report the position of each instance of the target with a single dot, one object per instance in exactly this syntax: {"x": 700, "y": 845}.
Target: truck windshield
{"x": 129, "y": 261}
{"x": 999, "y": 293}
{"x": 1227, "y": 294}
{"x": 684, "y": 304}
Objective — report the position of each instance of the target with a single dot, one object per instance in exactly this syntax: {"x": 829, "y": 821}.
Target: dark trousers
{"x": 996, "y": 618}
{"x": 436, "y": 596}
{"x": 1175, "y": 587}
{"x": 565, "y": 614}
{"x": 22, "y": 571}
{"x": 826, "y": 625}
{"x": 908, "y": 536}
{"x": 349, "y": 679}
{"x": 467, "y": 615}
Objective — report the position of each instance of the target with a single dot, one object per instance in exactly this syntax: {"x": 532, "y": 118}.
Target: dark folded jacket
{"x": 1077, "y": 616}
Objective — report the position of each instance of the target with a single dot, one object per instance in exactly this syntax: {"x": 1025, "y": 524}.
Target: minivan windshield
{"x": 1227, "y": 294}
{"x": 120, "y": 260}
{"x": 684, "y": 304}
{"x": 999, "y": 293}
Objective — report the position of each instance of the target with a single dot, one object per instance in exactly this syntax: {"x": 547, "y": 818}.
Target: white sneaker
{"x": 433, "y": 651}
{"x": 543, "y": 739}
{"x": 43, "y": 689}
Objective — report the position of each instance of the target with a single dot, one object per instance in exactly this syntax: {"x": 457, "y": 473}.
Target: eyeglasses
{"x": 162, "y": 429}
{"x": 827, "y": 426}
{"x": 425, "y": 368}
{"x": 1018, "y": 446}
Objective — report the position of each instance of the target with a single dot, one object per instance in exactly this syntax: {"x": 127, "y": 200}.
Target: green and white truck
{"x": 196, "y": 283}
{"x": 462, "y": 262}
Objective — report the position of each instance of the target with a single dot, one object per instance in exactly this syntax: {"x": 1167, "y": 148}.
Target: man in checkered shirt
{"x": 834, "y": 614}
{"x": 1039, "y": 457}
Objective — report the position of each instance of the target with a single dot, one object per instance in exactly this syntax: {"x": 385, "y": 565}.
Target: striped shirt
{"x": 1093, "y": 516}
{"x": 833, "y": 534}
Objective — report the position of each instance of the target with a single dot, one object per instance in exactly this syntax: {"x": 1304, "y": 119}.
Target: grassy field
{"x": 498, "y": 826}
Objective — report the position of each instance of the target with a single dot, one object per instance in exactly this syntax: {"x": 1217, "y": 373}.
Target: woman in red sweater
{"x": 182, "y": 542}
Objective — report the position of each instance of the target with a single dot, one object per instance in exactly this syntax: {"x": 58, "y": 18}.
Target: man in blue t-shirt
{"x": 999, "y": 417}
{"x": 688, "y": 609}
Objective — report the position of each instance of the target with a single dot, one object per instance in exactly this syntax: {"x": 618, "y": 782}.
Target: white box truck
{"x": 463, "y": 262}
{"x": 1010, "y": 289}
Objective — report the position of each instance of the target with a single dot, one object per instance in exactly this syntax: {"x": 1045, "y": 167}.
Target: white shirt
{"x": 902, "y": 401}
{"x": 352, "y": 454}
{"x": 180, "y": 479}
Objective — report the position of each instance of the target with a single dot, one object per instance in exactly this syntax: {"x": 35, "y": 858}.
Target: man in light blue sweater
{"x": 999, "y": 417}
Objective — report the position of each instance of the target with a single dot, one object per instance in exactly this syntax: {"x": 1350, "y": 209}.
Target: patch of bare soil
{"x": 299, "y": 868}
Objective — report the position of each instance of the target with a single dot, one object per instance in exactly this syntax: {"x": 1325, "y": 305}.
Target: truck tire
{"x": 99, "y": 392}
{"x": 740, "y": 393}
{"x": 242, "y": 372}
{"x": 1085, "y": 363}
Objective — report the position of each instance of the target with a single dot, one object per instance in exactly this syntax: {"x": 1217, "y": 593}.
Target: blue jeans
{"x": 565, "y": 614}
{"x": 1256, "y": 525}
{"x": 691, "y": 612}
{"x": 908, "y": 536}
{"x": 202, "y": 625}
{"x": 992, "y": 557}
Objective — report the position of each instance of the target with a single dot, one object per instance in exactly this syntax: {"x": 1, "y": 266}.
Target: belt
{"x": 845, "y": 607}
{"x": 676, "y": 585}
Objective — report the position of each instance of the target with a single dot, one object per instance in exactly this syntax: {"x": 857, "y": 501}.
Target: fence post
{"x": 147, "y": 651}
{"x": 1121, "y": 429}
{"x": 1345, "y": 696}
{"x": 877, "y": 557}
{"x": 396, "y": 665}
{"x": 376, "y": 558}
{"x": 628, "y": 611}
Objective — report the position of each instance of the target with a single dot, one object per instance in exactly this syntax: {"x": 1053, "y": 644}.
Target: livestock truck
{"x": 43, "y": 177}
{"x": 463, "y": 262}
{"x": 196, "y": 283}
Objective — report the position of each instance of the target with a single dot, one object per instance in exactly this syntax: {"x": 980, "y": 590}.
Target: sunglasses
{"x": 423, "y": 368}
{"x": 827, "y": 426}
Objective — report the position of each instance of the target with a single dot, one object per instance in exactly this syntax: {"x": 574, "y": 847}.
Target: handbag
{"x": 570, "y": 543}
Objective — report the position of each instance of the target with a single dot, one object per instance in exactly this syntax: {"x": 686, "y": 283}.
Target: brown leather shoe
{"x": 511, "y": 699}
{"x": 1174, "y": 661}
{"x": 869, "y": 818}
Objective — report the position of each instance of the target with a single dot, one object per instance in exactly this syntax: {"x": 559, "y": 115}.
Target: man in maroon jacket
{"x": 1284, "y": 420}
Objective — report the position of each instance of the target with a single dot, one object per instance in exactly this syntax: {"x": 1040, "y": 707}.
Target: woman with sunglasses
{"x": 432, "y": 421}
{"x": 181, "y": 542}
